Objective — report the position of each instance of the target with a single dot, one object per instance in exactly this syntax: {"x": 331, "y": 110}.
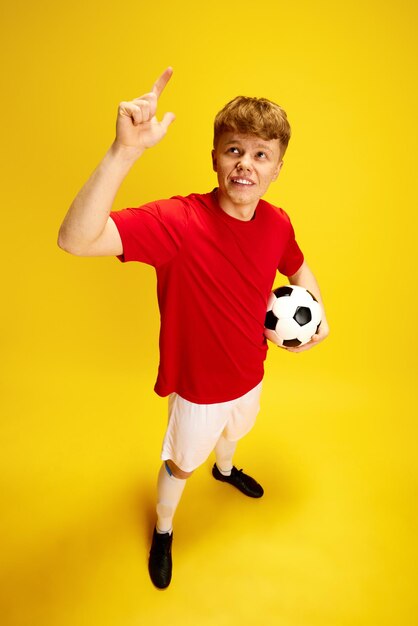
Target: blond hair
{"x": 253, "y": 116}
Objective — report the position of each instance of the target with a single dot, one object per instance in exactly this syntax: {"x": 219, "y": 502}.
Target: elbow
{"x": 62, "y": 243}
{"x": 66, "y": 245}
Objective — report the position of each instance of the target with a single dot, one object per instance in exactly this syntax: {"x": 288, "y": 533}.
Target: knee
{"x": 177, "y": 472}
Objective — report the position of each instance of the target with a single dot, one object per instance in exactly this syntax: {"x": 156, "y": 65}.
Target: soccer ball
{"x": 293, "y": 316}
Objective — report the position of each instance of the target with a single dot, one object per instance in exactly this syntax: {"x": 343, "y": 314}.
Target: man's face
{"x": 245, "y": 165}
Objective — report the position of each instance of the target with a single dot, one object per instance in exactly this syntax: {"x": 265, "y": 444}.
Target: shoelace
{"x": 248, "y": 481}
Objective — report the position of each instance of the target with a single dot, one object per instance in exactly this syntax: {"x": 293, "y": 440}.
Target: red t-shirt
{"x": 214, "y": 275}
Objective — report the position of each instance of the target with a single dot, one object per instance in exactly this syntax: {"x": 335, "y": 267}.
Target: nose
{"x": 245, "y": 162}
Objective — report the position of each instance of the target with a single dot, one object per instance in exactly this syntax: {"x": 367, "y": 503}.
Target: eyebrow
{"x": 259, "y": 145}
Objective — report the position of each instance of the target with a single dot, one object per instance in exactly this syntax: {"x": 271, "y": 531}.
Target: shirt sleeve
{"x": 292, "y": 257}
{"x": 153, "y": 232}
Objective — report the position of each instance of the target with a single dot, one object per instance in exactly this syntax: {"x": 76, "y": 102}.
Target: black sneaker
{"x": 241, "y": 481}
{"x": 160, "y": 564}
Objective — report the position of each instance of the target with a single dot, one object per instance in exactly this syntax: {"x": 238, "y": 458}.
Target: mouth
{"x": 242, "y": 182}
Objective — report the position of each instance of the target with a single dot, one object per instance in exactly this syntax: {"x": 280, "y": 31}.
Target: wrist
{"x": 125, "y": 153}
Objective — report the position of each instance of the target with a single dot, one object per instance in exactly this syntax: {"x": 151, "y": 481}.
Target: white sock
{"x": 224, "y": 451}
{"x": 169, "y": 490}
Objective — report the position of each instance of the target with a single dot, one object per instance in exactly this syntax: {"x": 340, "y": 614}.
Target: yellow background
{"x": 333, "y": 542}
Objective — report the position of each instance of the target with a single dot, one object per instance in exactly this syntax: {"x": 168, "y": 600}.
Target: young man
{"x": 215, "y": 254}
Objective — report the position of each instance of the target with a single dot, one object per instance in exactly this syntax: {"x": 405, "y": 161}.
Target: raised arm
{"x": 87, "y": 229}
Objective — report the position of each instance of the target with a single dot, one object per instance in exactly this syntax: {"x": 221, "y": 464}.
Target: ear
{"x": 277, "y": 171}
{"x": 214, "y": 161}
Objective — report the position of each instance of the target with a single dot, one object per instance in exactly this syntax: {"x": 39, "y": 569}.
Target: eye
{"x": 233, "y": 148}
{"x": 262, "y": 155}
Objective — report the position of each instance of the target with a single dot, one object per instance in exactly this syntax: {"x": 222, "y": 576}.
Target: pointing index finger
{"x": 161, "y": 82}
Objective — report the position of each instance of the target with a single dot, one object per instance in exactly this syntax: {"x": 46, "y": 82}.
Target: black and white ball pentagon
{"x": 293, "y": 316}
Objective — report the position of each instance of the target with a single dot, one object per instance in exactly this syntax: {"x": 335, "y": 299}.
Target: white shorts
{"x": 194, "y": 429}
